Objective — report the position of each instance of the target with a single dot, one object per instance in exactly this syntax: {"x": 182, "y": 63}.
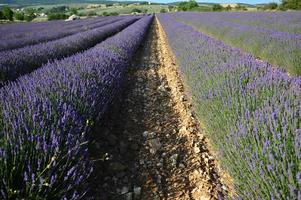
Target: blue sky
{"x": 224, "y": 1}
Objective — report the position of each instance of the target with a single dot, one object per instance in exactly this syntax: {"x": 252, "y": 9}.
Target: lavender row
{"x": 51, "y": 33}
{"x": 250, "y": 111}
{"x": 20, "y": 30}
{"x": 46, "y": 117}
{"x": 280, "y": 48}
{"x": 15, "y": 29}
{"x": 289, "y": 22}
{"x": 17, "y": 62}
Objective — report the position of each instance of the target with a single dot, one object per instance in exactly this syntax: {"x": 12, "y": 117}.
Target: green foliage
{"x": 269, "y": 6}
{"x": 105, "y": 14}
{"x": 29, "y": 14}
{"x": 202, "y": 9}
{"x": 57, "y": 16}
{"x": 19, "y": 16}
{"x": 114, "y": 13}
{"x": 73, "y": 11}
{"x": 162, "y": 10}
{"x": 291, "y": 4}
{"x": 8, "y": 13}
{"x": 1, "y": 15}
{"x": 217, "y": 7}
{"x": 82, "y": 14}
{"x": 58, "y": 9}
{"x": 91, "y": 13}
{"x": 136, "y": 10}
{"x": 110, "y": 14}
{"x": 272, "y": 6}
{"x": 170, "y": 7}
{"x": 241, "y": 7}
{"x": 228, "y": 8}
{"x": 29, "y": 18}
{"x": 186, "y": 6}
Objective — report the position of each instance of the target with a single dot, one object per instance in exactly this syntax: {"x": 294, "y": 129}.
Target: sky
{"x": 224, "y": 1}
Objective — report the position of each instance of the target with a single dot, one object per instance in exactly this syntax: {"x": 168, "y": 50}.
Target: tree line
{"x": 194, "y": 6}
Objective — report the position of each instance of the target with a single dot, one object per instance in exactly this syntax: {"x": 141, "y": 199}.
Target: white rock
{"x": 196, "y": 149}
{"x": 72, "y": 17}
{"x": 145, "y": 134}
{"x": 137, "y": 191}
{"x": 181, "y": 165}
{"x": 174, "y": 158}
{"x": 155, "y": 145}
{"x": 224, "y": 187}
{"x": 183, "y": 130}
{"x": 159, "y": 164}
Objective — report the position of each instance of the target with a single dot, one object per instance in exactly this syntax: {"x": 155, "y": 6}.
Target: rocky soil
{"x": 151, "y": 146}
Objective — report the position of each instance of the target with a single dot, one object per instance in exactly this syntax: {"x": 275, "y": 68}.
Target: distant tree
{"x": 19, "y": 16}
{"x": 291, "y": 4}
{"x": 105, "y": 14}
{"x": 170, "y": 7}
{"x": 240, "y": 7}
{"x": 57, "y": 16}
{"x": 270, "y": 6}
{"x": 217, "y": 7}
{"x": 29, "y": 18}
{"x": 259, "y": 7}
{"x": 73, "y": 11}
{"x": 29, "y": 14}
{"x": 91, "y": 13}
{"x": 136, "y": 10}
{"x": 145, "y": 11}
{"x": 162, "y": 10}
{"x": 281, "y": 7}
{"x": 1, "y": 15}
{"x": 110, "y": 14}
{"x": 228, "y": 8}
{"x": 185, "y": 6}
{"x": 82, "y": 14}
{"x": 114, "y": 14}
{"x": 58, "y": 9}
{"x": 8, "y": 13}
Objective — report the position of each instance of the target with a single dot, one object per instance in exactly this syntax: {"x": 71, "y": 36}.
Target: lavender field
{"x": 178, "y": 105}
{"x": 250, "y": 109}
{"x": 274, "y": 37}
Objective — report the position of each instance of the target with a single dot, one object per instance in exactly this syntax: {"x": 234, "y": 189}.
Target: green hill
{"x": 31, "y": 2}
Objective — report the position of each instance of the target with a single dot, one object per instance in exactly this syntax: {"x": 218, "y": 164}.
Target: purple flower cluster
{"x": 250, "y": 110}
{"x": 14, "y": 63}
{"x": 275, "y": 37}
{"x": 46, "y": 117}
{"x": 16, "y": 37}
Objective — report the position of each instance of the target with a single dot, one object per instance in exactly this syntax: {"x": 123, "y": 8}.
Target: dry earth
{"x": 151, "y": 146}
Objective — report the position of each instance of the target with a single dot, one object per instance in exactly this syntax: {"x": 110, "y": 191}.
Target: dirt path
{"x": 150, "y": 146}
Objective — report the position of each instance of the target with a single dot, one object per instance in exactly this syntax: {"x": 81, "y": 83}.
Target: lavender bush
{"x": 46, "y": 117}
{"x": 251, "y": 112}
{"x": 14, "y": 63}
{"x": 275, "y": 37}
{"x": 23, "y": 38}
